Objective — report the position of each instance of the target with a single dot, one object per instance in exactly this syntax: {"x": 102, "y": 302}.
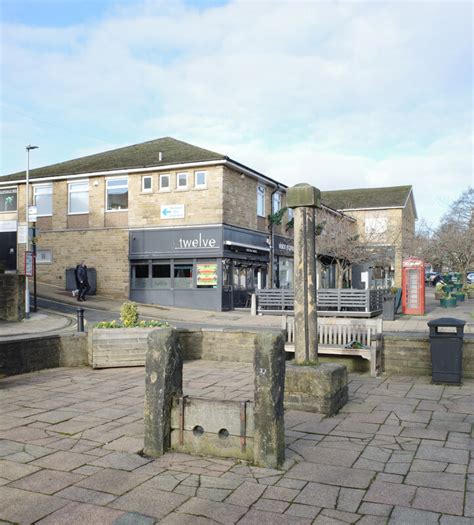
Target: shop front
{"x": 208, "y": 267}
{"x": 284, "y": 270}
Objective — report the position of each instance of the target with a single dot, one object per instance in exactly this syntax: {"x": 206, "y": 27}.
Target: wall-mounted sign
{"x": 8, "y": 199}
{"x": 172, "y": 211}
{"x": 29, "y": 264}
{"x": 32, "y": 213}
{"x": 8, "y": 226}
{"x": 206, "y": 274}
{"x": 21, "y": 235}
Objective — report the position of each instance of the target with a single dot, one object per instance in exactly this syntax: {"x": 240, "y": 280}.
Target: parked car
{"x": 430, "y": 276}
{"x": 470, "y": 278}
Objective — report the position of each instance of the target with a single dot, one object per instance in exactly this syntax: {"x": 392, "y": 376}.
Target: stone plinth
{"x": 322, "y": 388}
{"x": 12, "y": 297}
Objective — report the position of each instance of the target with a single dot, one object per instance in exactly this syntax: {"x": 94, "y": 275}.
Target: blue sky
{"x": 338, "y": 94}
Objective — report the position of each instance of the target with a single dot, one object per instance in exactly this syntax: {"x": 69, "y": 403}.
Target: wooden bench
{"x": 335, "y": 334}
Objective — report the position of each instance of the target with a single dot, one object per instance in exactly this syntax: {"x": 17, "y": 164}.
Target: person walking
{"x": 83, "y": 279}
{"x": 76, "y": 290}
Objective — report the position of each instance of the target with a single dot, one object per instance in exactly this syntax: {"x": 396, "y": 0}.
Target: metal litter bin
{"x": 388, "y": 307}
{"x": 446, "y": 338}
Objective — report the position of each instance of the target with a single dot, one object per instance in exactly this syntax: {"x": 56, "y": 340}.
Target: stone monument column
{"x": 304, "y": 199}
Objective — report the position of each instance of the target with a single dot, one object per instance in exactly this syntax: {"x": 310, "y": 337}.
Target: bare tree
{"x": 455, "y": 235}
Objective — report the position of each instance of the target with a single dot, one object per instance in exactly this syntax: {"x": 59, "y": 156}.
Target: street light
{"x": 27, "y": 203}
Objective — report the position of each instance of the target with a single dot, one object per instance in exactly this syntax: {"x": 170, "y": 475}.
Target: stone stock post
{"x": 304, "y": 199}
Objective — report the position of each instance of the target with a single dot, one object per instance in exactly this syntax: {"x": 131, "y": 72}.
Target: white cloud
{"x": 341, "y": 94}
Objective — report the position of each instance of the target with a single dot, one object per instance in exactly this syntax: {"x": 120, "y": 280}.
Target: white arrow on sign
{"x": 172, "y": 211}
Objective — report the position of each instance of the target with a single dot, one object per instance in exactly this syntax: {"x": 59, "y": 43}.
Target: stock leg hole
{"x": 198, "y": 431}
{"x": 223, "y": 433}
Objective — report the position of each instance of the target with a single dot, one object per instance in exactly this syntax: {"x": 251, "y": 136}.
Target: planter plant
{"x": 470, "y": 291}
{"x": 124, "y": 342}
{"x": 460, "y": 296}
{"x": 439, "y": 291}
{"x": 449, "y": 301}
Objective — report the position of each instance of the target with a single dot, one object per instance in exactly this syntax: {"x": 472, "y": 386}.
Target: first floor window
{"x": 117, "y": 194}
{"x": 276, "y": 202}
{"x": 8, "y": 199}
{"x": 78, "y": 197}
{"x": 261, "y": 201}
{"x": 43, "y": 199}
{"x": 200, "y": 179}
{"x": 147, "y": 184}
{"x": 182, "y": 181}
{"x": 165, "y": 182}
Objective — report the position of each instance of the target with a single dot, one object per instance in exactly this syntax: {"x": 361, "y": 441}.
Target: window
{"x": 182, "y": 181}
{"x": 200, "y": 179}
{"x": 44, "y": 256}
{"x": 290, "y": 214}
{"x": 375, "y": 225}
{"x": 276, "y": 202}
{"x": 43, "y": 199}
{"x": 261, "y": 201}
{"x": 117, "y": 194}
{"x": 140, "y": 273}
{"x": 78, "y": 197}
{"x": 165, "y": 183}
{"x": 183, "y": 275}
{"x": 147, "y": 184}
{"x": 161, "y": 275}
{"x": 8, "y": 199}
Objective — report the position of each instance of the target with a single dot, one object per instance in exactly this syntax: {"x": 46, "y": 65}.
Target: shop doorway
{"x": 8, "y": 250}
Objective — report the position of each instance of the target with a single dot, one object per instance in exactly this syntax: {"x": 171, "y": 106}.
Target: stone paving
{"x": 401, "y": 452}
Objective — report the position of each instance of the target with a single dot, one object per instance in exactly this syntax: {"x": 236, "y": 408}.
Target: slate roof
{"x": 141, "y": 155}
{"x": 364, "y": 198}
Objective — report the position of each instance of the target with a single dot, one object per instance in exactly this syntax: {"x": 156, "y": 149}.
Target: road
{"x": 93, "y": 315}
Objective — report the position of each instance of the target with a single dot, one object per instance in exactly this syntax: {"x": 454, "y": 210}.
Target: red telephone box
{"x": 413, "y": 286}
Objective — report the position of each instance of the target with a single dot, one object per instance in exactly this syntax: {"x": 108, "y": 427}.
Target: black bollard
{"x": 80, "y": 319}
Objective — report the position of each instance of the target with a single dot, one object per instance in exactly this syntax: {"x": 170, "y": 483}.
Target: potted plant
{"x": 449, "y": 301}
{"x": 459, "y": 294}
{"x": 439, "y": 291}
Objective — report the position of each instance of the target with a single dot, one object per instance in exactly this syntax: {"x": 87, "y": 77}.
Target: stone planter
{"x": 470, "y": 294}
{"x": 460, "y": 296}
{"x": 115, "y": 347}
{"x": 448, "y": 302}
{"x": 439, "y": 295}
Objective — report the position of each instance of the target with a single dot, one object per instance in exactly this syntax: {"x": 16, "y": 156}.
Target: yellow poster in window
{"x": 206, "y": 274}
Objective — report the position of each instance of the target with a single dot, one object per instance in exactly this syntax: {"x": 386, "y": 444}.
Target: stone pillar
{"x": 269, "y": 365}
{"x": 163, "y": 381}
{"x": 304, "y": 198}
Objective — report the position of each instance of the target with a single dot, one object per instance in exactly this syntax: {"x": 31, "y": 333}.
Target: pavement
{"x": 400, "y": 452}
{"x": 59, "y": 313}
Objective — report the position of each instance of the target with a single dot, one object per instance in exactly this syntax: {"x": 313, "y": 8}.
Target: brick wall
{"x": 12, "y": 297}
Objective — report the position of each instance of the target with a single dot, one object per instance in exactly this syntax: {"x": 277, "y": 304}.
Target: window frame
{"x": 182, "y": 188}
{"x": 42, "y": 186}
{"x": 147, "y": 190}
{"x": 162, "y": 176}
{"x": 276, "y": 195}
{"x": 49, "y": 261}
{"x": 261, "y": 195}
{"x": 107, "y": 194}
{"x": 200, "y": 186}
{"x": 69, "y": 184}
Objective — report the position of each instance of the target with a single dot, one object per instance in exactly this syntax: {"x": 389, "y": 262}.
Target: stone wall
{"x": 30, "y": 354}
{"x": 12, "y": 297}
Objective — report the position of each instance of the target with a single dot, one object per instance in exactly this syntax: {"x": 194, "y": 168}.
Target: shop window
{"x": 276, "y": 202}
{"x": 165, "y": 182}
{"x": 117, "y": 194}
{"x": 78, "y": 197}
{"x": 200, "y": 180}
{"x": 147, "y": 184}
{"x": 183, "y": 275}
{"x": 161, "y": 275}
{"x": 140, "y": 274}
{"x": 43, "y": 199}
{"x": 261, "y": 201}
{"x": 182, "y": 181}
{"x": 8, "y": 199}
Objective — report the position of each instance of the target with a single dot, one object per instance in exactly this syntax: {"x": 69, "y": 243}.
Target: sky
{"x": 339, "y": 94}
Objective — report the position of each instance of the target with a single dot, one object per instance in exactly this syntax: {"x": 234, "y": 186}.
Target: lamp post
{"x": 27, "y": 203}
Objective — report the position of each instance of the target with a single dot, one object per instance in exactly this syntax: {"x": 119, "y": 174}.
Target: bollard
{"x": 80, "y": 319}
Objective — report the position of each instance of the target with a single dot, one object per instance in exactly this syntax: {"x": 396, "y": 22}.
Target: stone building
{"x": 385, "y": 218}
{"x": 162, "y": 222}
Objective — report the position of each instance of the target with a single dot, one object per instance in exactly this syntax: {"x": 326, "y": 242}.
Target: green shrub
{"x": 129, "y": 314}
{"x": 141, "y": 324}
